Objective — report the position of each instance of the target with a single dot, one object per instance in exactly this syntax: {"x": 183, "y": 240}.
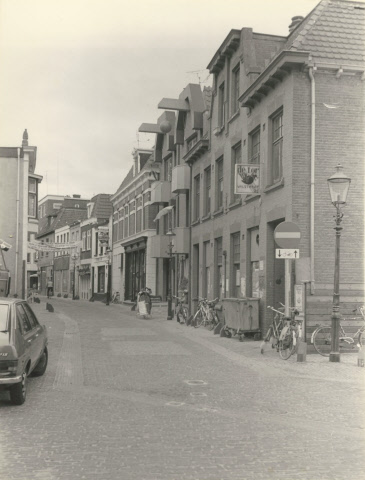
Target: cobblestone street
{"x": 129, "y": 398}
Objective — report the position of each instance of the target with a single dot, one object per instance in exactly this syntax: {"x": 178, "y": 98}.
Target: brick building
{"x": 133, "y": 224}
{"x": 288, "y": 109}
{"x": 19, "y": 214}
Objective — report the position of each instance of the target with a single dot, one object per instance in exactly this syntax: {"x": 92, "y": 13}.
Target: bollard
{"x": 302, "y": 351}
{"x": 360, "y": 357}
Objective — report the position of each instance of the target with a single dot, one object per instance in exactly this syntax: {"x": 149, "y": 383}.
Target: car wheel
{"x": 18, "y": 391}
{"x": 41, "y": 365}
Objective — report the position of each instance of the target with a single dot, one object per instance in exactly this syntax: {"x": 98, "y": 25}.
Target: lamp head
{"x": 339, "y": 184}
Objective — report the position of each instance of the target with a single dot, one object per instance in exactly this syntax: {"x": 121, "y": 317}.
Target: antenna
{"x": 199, "y": 73}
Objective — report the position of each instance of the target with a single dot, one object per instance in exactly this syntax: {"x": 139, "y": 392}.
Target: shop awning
{"x": 164, "y": 211}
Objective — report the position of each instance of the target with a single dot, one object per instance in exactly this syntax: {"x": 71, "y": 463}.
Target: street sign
{"x": 285, "y": 253}
{"x": 287, "y": 235}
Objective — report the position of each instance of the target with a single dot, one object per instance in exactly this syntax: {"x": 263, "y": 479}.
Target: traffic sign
{"x": 287, "y": 253}
{"x": 287, "y": 235}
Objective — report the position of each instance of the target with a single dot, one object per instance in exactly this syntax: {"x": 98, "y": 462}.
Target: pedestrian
{"x": 49, "y": 288}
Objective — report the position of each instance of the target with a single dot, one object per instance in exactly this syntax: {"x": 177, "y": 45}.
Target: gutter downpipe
{"x": 312, "y": 176}
{"x": 17, "y": 227}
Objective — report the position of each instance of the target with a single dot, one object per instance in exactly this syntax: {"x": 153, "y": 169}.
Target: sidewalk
{"x": 315, "y": 366}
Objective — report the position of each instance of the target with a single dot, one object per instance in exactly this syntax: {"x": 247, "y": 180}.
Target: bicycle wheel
{"x": 286, "y": 346}
{"x": 322, "y": 341}
{"x": 198, "y": 319}
{"x": 185, "y": 314}
{"x": 362, "y": 339}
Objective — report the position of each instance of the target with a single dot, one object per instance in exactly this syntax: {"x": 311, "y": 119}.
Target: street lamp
{"x": 74, "y": 257}
{"x": 338, "y": 185}
{"x": 169, "y": 293}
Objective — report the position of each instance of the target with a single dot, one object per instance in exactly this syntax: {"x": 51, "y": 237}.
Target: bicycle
{"x": 206, "y": 315}
{"x": 182, "y": 311}
{"x": 321, "y": 337}
{"x": 115, "y": 297}
{"x": 274, "y": 330}
{"x": 283, "y": 332}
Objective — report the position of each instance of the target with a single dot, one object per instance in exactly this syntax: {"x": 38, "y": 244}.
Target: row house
{"x": 133, "y": 224}
{"x": 93, "y": 273}
{"x": 57, "y": 215}
{"x": 256, "y": 150}
{"x": 19, "y": 215}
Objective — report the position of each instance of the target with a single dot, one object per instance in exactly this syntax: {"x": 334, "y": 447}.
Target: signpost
{"x": 287, "y": 236}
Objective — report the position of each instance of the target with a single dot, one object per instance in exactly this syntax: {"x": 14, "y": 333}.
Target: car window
{"x": 30, "y": 314}
{"x": 4, "y": 310}
{"x": 20, "y": 314}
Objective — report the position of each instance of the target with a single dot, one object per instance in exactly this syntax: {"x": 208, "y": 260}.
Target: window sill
{"x": 235, "y": 204}
{"x": 274, "y": 186}
{"x": 206, "y": 217}
{"x": 251, "y": 197}
{"x": 195, "y": 222}
{"x": 218, "y": 212}
{"x": 234, "y": 116}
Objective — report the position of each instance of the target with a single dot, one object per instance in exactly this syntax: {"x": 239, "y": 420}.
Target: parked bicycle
{"x": 283, "y": 332}
{"x": 115, "y": 297}
{"x": 321, "y": 337}
{"x": 182, "y": 311}
{"x": 206, "y": 314}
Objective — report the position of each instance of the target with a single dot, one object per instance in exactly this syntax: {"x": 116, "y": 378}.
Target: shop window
{"x": 219, "y": 268}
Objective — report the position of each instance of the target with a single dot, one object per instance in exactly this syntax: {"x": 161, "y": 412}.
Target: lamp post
{"x": 74, "y": 257}
{"x": 169, "y": 293}
{"x": 108, "y": 281}
{"x": 338, "y": 185}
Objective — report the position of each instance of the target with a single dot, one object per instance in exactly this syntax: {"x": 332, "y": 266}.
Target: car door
{"x": 29, "y": 336}
{"x": 38, "y": 339}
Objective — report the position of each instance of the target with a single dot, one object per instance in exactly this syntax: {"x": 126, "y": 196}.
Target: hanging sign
{"x": 247, "y": 178}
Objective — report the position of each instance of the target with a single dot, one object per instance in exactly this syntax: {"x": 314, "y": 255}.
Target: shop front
{"x": 61, "y": 284}
{"x": 135, "y": 271}
{"x": 85, "y": 281}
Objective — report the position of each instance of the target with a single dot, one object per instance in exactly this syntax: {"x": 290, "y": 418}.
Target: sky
{"x": 82, "y": 75}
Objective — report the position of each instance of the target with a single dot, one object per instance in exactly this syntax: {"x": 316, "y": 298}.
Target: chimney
{"x": 25, "y": 138}
{"x": 295, "y": 21}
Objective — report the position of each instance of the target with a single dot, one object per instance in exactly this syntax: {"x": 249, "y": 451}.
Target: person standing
{"x": 49, "y": 288}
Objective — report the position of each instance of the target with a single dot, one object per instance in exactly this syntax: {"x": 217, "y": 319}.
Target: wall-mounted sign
{"x": 247, "y": 179}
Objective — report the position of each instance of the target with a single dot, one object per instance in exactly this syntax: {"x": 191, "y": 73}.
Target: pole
{"x": 169, "y": 298}
{"x": 74, "y": 281}
{"x": 335, "y": 318}
{"x": 287, "y": 286}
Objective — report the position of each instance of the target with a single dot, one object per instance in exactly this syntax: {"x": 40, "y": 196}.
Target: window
{"x": 219, "y": 268}
{"x": 132, "y": 224}
{"x": 219, "y": 183}
{"x": 235, "y": 89}
{"x": 235, "y": 265}
{"x": 32, "y": 198}
{"x": 138, "y": 221}
{"x": 28, "y": 258}
{"x": 57, "y": 206}
{"x": 208, "y": 190}
{"x": 31, "y": 317}
{"x": 254, "y": 145}
{"x": 167, "y": 167}
{"x": 221, "y": 106}
{"x": 88, "y": 240}
{"x": 197, "y": 197}
{"x": 126, "y": 222}
{"x": 206, "y": 269}
{"x": 277, "y": 147}
{"x": 23, "y": 319}
{"x": 236, "y": 158}
{"x": 96, "y": 242}
{"x": 120, "y": 232}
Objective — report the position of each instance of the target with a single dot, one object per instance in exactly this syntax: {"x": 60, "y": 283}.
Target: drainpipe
{"x": 17, "y": 227}
{"x": 313, "y": 145}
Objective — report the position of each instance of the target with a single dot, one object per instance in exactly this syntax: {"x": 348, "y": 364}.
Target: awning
{"x": 164, "y": 211}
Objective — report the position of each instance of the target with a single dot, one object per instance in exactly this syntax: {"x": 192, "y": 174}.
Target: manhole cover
{"x": 196, "y": 382}
{"x": 198, "y": 394}
{"x": 175, "y": 404}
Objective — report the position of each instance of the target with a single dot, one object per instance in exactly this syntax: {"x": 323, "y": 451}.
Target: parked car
{"x": 23, "y": 347}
